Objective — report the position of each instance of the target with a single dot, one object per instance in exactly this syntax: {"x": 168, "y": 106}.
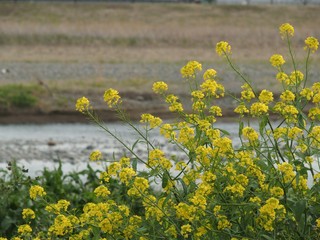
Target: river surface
{"x": 39, "y": 146}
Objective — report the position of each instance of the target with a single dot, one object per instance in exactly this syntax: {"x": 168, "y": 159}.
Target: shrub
{"x": 265, "y": 187}
{"x": 17, "y": 95}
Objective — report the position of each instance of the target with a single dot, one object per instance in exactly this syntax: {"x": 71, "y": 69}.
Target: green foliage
{"x": 18, "y": 95}
{"x": 15, "y": 184}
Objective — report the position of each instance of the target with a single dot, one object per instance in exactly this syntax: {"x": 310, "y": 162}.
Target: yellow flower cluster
{"x": 312, "y": 43}
{"x": 28, "y": 213}
{"x": 270, "y": 213}
{"x": 190, "y": 69}
{"x": 82, "y": 105}
{"x": 157, "y": 159}
{"x": 95, "y": 155}
{"x": 223, "y": 48}
{"x": 160, "y": 87}
{"x": 286, "y": 30}
{"x": 36, "y": 191}
{"x": 151, "y": 120}
{"x": 111, "y": 97}
{"x": 277, "y": 60}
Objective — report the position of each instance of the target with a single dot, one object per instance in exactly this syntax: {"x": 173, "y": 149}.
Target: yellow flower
{"x": 250, "y": 134}
{"x": 318, "y": 222}
{"x": 306, "y": 93}
{"x": 286, "y": 30}
{"x": 211, "y": 88}
{"x": 153, "y": 121}
{"x": 111, "y": 97}
{"x": 95, "y": 155}
{"x": 126, "y": 174}
{"x": 314, "y": 113}
{"x": 269, "y": 214}
{"x": 276, "y": 192}
{"x": 287, "y": 170}
{"x": 287, "y": 96}
{"x": 295, "y": 78}
{"x": 82, "y": 104}
{"x": 209, "y": 74}
{"x": 28, "y": 213}
{"x": 101, "y": 191}
{"x": 63, "y": 204}
{"x": 259, "y": 109}
{"x": 223, "y": 48}
{"x": 185, "y": 211}
{"x": 277, "y": 60}
{"x": 140, "y": 186}
{"x": 311, "y": 43}
{"x": 216, "y": 110}
{"x": 159, "y": 87}
{"x": 197, "y": 94}
{"x": 190, "y": 69}
{"x": 247, "y": 92}
{"x": 223, "y": 222}
{"x": 157, "y": 158}
{"x": 282, "y": 77}
{"x": 36, "y": 191}
{"x": 23, "y": 229}
{"x": 175, "y": 104}
{"x": 185, "y": 230}
{"x": 167, "y": 131}
{"x": 241, "y": 109}
{"x": 266, "y": 96}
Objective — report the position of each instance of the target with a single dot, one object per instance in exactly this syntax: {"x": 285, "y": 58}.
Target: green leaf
{"x": 240, "y": 128}
{"x": 165, "y": 179}
{"x": 263, "y": 124}
{"x": 299, "y": 209}
{"x": 134, "y": 163}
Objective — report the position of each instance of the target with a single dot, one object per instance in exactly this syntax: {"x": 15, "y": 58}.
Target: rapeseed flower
{"x": 287, "y": 96}
{"x": 286, "y": 30}
{"x": 36, "y": 191}
{"x": 277, "y": 60}
{"x": 190, "y": 69}
{"x": 101, "y": 191}
{"x": 95, "y": 155}
{"x": 28, "y": 213}
{"x": 311, "y": 43}
{"x": 126, "y": 174}
{"x": 111, "y": 97}
{"x": 259, "y": 109}
{"x": 223, "y": 48}
{"x": 209, "y": 74}
{"x": 24, "y": 229}
{"x": 82, "y": 105}
{"x": 250, "y": 134}
{"x": 160, "y": 87}
{"x": 266, "y": 96}
{"x": 152, "y": 120}
{"x": 307, "y": 93}
{"x": 295, "y": 78}
{"x": 186, "y": 230}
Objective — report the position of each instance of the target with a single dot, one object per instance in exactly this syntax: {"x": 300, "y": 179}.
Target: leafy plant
{"x": 17, "y": 95}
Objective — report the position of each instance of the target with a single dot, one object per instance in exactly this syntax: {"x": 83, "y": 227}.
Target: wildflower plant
{"x": 265, "y": 187}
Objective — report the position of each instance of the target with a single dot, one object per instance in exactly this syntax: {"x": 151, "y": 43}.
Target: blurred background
{"x": 53, "y": 52}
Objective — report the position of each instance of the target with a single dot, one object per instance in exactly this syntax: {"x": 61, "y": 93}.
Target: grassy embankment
{"x": 139, "y": 37}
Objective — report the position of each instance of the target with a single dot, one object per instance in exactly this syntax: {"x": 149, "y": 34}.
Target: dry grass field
{"x": 128, "y": 46}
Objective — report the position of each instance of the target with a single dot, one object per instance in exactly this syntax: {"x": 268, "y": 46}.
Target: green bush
{"x": 18, "y": 95}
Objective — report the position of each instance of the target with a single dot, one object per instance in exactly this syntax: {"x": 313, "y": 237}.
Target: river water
{"x": 42, "y": 146}
{"x": 39, "y": 146}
